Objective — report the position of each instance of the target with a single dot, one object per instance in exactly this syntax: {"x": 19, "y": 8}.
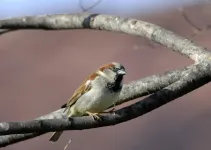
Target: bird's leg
{"x": 94, "y": 115}
{"x": 113, "y": 109}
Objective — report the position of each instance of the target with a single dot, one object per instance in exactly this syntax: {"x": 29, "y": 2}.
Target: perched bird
{"x": 99, "y": 91}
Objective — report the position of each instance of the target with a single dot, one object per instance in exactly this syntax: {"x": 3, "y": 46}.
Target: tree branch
{"x": 171, "y": 85}
{"x": 193, "y": 78}
{"x": 130, "y": 91}
{"x": 149, "y": 85}
{"x": 110, "y": 23}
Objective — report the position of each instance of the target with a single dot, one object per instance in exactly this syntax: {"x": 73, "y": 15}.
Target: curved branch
{"x": 149, "y": 85}
{"x": 110, "y": 23}
{"x": 193, "y": 78}
{"x": 143, "y": 87}
{"x": 155, "y": 83}
{"x": 190, "y": 78}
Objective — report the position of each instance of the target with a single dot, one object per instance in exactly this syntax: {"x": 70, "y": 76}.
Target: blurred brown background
{"x": 41, "y": 69}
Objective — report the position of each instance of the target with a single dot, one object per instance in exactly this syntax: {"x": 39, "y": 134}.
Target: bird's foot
{"x": 95, "y": 116}
{"x": 112, "y": 111}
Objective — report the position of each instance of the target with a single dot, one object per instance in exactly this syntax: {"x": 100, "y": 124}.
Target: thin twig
{"x": 187, "y": 19}
{"x": 90, "y": 7}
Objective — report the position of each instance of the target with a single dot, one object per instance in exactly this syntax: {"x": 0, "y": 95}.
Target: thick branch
{"x": 149, "y": 85}
{"x": 110, "y": 23}
{"x": 130, "y": 91}
{"x": 191, "y": 80}
{"x": 169, "y": 78}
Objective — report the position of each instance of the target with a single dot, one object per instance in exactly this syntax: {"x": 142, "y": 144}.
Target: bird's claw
{"x": 112, "y": 110}
{"x": 95, "y": 116}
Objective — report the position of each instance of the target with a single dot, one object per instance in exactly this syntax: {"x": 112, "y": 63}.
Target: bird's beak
{"x": 121, "y": 72}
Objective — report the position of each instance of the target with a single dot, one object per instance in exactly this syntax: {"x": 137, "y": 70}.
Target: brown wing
{"x": 85, "y": 87}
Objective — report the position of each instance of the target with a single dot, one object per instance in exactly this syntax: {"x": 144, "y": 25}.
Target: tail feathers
{"x": 55, "y": 136}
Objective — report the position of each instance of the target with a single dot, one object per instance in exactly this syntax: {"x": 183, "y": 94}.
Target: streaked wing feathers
{"x": 85, "y": 87}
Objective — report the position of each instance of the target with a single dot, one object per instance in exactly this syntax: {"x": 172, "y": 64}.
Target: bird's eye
{"x": 115, "y": 69}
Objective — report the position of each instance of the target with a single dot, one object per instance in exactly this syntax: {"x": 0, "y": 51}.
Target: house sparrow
{"x": 98, "y": 92}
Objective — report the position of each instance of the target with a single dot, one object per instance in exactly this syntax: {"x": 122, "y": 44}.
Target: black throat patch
{"x": 116, "y": 85}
